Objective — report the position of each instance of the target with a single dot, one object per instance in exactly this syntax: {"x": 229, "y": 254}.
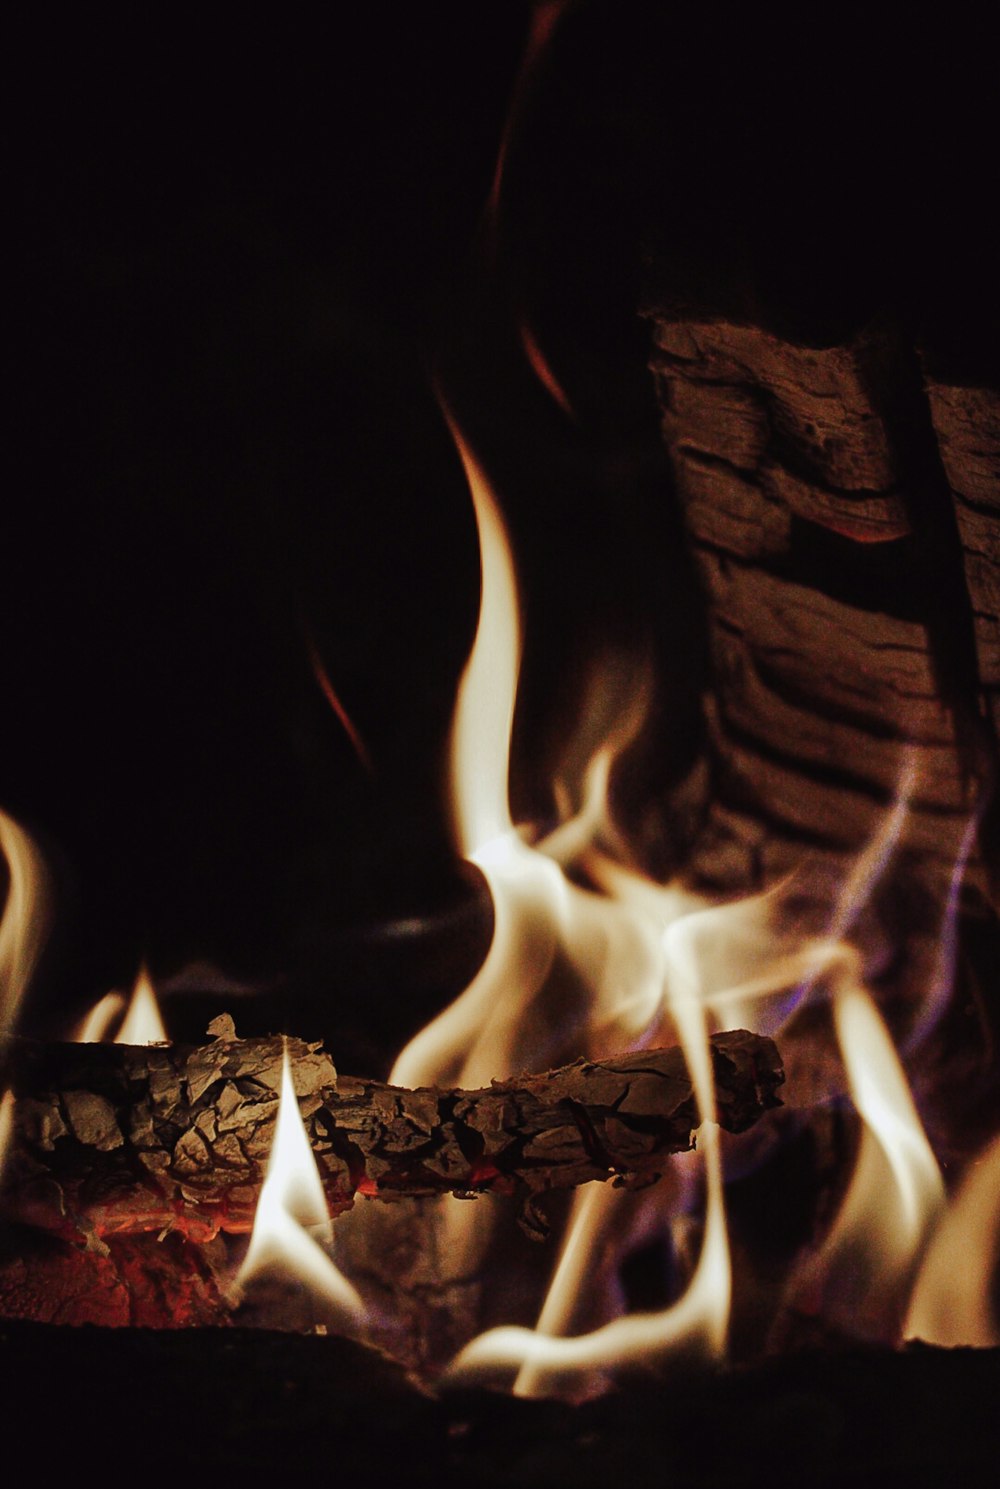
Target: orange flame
{"x": 544, "y": 19}
{"x": 333, "y": 698}
{"x": 542, "y": 369}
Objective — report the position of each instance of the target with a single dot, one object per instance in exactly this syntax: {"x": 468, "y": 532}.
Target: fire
{"x": 6, "y": 1125}
{"x": 25, "y": 921}
{"x": 952, "y": 1302}
{"x": 23, "y": 929}
{"x": 625, "y": 962}
{"x": 333, "y": 698}
{"x": 142, "y": 1022}
{"x": 589, "y": 957}
{"x": 292, "y": 1224}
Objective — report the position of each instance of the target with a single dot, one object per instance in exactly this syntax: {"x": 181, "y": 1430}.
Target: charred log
{"x": 112, "y": 1140}
{"x": 839, "y": 508}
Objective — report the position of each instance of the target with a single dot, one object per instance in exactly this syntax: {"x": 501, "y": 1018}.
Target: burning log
{"x": 114, "y": 1139}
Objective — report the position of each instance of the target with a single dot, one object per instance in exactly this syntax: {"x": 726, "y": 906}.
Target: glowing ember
{"x": 292, "y": 1223}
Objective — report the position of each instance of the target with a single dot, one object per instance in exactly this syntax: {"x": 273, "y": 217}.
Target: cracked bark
{"x": 111, "y": 1140}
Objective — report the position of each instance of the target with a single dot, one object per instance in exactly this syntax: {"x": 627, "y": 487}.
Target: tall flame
{"x": 897, "y": 1190}
{"x": 484, "y": 715}
{"x": 627, "y": 963}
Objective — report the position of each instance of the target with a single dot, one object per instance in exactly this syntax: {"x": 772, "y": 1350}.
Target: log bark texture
{"x": 842, "y": 507}
{"x": 112, "y": 1140}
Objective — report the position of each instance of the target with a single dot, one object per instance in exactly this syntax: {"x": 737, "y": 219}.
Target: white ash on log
{"x": 112, "y": 1139}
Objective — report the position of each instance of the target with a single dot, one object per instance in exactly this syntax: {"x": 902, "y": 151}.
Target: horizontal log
{"x": 112, "y": 1139}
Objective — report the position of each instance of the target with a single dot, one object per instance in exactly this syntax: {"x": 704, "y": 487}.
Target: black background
{"x": 242, "y": 258}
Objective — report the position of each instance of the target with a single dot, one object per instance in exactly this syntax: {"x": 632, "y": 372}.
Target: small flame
{"x": 292, "y": 1223}
{"x": 542, "y": 369}
{"x": 143, "y": 1022}
{"x": 25, "y": 921}
{"x": 95, "y": 1025}
{"x": 952, "y": 1302}
{"x": 543, "y": 22}
{"x": 333, "y": 698}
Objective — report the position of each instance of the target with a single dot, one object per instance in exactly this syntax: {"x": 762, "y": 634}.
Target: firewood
{"x": 112, "y": 1139}
{"x": 840, "y": 628}
{"x": 967, "y": 425}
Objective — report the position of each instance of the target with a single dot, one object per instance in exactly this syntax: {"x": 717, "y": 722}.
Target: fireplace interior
{"x": 690, "y": 315}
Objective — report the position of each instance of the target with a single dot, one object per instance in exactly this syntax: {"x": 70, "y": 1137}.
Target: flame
{"x": 626, "y": 963}
{"x": 544, "y": 19}
{"x": 143, "y": 1023}
{"x": 333, "y": 698}
{"x": 542, "y": 369}
{"x": 25, "y": 921}
{"x": 568, "y": 969}
{"x": 943, "y": 974}
{"x": 292, "y": 1223}
{"x": 897, "y": 1189}
{"x": 952, "y": 1300}
{"x": 95, "y": 1025}
{"x": 698, "y": 1322}
{"x": 7, "y": 1105}
{"x": 484, "y": 715}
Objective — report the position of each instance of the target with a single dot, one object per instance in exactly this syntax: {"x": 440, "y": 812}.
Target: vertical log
{"x": 816, "y": 520}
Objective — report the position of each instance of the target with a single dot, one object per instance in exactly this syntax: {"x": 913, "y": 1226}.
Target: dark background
{"x": 240, "y": 259}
